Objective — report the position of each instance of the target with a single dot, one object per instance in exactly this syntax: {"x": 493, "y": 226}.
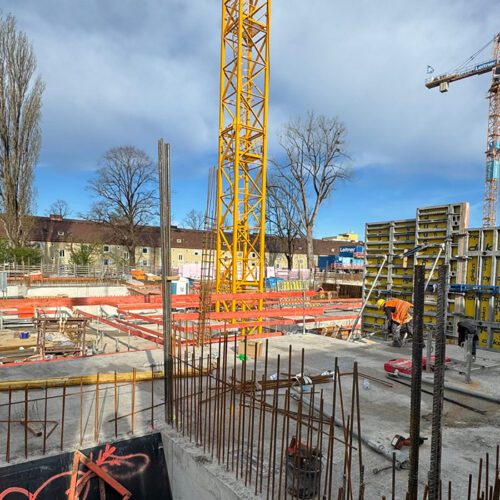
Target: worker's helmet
{"x": 380, "y": 303}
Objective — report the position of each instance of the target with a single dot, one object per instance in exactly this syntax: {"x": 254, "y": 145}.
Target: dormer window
{"x": 60, "y": 233}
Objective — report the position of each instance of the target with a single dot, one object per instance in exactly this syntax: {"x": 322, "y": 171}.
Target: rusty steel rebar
{"x": 416, "y": 379}
{"x": 439, "y": 367}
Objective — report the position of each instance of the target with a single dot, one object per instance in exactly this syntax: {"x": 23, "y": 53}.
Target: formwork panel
{"x": 434, "y": 228}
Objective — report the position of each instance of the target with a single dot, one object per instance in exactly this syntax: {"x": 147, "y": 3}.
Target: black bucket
{"x": 303, "y": 475}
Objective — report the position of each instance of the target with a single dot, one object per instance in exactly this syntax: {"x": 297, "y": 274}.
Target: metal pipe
{"x": 401, "y": 459}
{"x": 468, "y": 357}
{"x": 164, "y": 168}
{"x": 441, "y": 248}
{"x": 455, "y": 388}
{"x": 367, "y": 297}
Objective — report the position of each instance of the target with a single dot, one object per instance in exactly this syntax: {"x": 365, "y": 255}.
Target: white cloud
{"x": 132, "y": 71}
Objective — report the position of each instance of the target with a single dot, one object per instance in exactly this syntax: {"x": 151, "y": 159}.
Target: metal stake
{"x": 164, "y": 167}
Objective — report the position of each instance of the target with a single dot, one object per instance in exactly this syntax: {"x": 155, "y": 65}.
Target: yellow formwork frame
{"x": 241, "y": 174}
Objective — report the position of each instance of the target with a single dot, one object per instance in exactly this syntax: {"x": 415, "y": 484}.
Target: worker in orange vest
{"x": 399, "y": 313}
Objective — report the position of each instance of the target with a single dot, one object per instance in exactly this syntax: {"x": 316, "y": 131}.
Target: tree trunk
{"x": 310, "y": 247}
{"x": 289, "y": 258}
{"x": 131, "y": 256}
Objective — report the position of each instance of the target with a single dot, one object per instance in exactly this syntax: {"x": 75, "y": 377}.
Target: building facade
{"x": 57, "y": 238}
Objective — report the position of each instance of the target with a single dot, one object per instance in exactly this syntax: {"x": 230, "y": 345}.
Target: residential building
{"x": 57, "y": 237}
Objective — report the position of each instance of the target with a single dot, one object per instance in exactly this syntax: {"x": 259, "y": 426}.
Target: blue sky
{"x": 132, "y": 71}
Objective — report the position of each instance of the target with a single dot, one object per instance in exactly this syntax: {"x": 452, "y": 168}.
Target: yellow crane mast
{"x": 490, "y": 201}
{"x": 241, "y": 173}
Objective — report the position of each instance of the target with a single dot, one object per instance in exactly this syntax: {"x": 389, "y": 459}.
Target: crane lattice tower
{"x": 241, "y": 179}
{"x": 493, "y": 146}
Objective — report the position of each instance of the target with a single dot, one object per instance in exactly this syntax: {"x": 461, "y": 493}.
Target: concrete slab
{"x": 467, "y": 436}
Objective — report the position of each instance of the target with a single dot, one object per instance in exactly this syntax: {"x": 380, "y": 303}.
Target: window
{"x": 145, "y": 262}
{"x": 62, "y": 253}
{"x": 179, "y": 240}
{"x": 180, "y": 257}
{"x": 60, "y": 233}
{"x": 253, "y": 255}
{"x": 106, "y": 248}
{"x": 125, "y": 255}
{"x": 145, "y": 250}
{"x": 196, "y": 252}
{"x": 105, "y": 262}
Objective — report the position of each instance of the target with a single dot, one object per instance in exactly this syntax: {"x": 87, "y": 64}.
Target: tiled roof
{"x": 56, "y": 229}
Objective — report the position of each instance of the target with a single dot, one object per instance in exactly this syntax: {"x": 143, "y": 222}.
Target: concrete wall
{"x": 194, "y": 475}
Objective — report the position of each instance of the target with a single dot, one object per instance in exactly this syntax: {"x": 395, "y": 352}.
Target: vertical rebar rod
{"x": 437, "y": 399}
{"x": 225, "y": 398}
{"x": 63, "y": 413}
{"x": 96, "y": 415}
{"x": 9, "y": 410}
{"x": 44, "y": 447}
{"x": 263, "y": 401}
{"x": 152, "y": 397}
{"x": 26, "y": 422}
{"x": 416, "y": 379}
{"x": 116, "y": 404}
{"x": 487, "y": 477}
{"x": 275, "y": 413}
{"x": 393, "y": 482}
{"x": 133, "y": 399}
{"x": 479, "y": 476}
{"x": 164, "y": 170}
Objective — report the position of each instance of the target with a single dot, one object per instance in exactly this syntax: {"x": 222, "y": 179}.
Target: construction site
{"x": 123, "y": 387}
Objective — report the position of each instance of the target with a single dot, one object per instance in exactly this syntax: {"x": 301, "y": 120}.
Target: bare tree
{"x": 313, "y": 166}
{"x": 282, "y": 218}
{"x": 20, "y": 133}
{"x": 126, "y": 186}
{"x": 59, "y": 207}
{"x": 195, "y": 219}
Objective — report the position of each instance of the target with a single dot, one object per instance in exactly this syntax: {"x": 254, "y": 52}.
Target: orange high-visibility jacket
{"x": 401, "y": 307}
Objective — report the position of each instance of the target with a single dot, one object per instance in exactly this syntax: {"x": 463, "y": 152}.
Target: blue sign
{"x": 488, "y": 64}
{"x": 347, "y": 251}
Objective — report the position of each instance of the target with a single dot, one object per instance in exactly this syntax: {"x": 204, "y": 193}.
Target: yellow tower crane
{"x": 490, "y": 202}
{"x": 241, "y": 173}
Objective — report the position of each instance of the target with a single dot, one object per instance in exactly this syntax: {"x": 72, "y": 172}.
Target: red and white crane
{"x": 490, "y": 202}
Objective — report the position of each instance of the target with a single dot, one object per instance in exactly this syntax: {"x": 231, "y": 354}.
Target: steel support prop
{"x": 416, "y": 378}
{"x": 367, "y": 297}
{"x": 164, "y": 168}
{"x": 434, "y": 478}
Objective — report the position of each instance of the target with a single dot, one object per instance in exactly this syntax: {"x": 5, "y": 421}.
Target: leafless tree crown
{"x": 59, "y": 207}
{"x": 20, "y": 133}
{"x": 314, "y": 163}
{"x": 195, "y": 219}
{"x": 126, "y": 187}
{"x": 282, "y": 217}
